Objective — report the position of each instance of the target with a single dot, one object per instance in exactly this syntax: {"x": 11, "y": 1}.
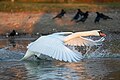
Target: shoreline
{"x": 26, "y": 22}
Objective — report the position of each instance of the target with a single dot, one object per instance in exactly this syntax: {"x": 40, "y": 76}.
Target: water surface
{"x": 102, "y": 64}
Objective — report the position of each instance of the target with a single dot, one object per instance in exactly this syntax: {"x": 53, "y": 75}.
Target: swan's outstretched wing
{"x": 63, "y": 33}
{"x": 80, "y": 41}
{"x": 54, "y": 48}
{"x": 99, "y": 42}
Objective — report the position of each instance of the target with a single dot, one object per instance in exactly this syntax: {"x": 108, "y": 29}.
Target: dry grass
{"x": 7, "y": 6}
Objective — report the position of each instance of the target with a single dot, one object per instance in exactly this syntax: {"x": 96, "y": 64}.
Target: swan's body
{"x": 54, "y": 45}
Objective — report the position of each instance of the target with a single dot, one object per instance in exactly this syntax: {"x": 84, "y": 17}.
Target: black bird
{"x": 105, "y": 17}
{"x": 78, "y": 15}
{"x": 98, "y": 17}
{"x": 60, "y": 15}
{"x": 12, "y": 34}
{"x": 84, "y": 18}
{"x": 101, "y": 16}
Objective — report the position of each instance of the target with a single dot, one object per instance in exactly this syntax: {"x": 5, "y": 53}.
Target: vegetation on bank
{"x": 65, "y": 1}
{"x": 8, "y": 6}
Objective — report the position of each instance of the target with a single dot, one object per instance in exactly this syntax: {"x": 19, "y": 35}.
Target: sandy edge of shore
{"x": 42, "y": 22}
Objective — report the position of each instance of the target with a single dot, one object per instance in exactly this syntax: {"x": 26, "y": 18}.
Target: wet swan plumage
{"x": 54, "y": 45}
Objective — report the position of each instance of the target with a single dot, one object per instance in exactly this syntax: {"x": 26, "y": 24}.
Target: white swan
{"x": 54, "y": 45}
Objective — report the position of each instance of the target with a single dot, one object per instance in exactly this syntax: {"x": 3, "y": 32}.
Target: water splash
{"x": 7, "y": 55}
{"x": 101, "y": 53}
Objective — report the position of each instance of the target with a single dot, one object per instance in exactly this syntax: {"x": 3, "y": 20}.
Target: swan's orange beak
{"x": 102, "y": 34}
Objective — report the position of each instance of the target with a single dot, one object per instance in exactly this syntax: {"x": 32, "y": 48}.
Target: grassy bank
{"x": 7, "y": 6}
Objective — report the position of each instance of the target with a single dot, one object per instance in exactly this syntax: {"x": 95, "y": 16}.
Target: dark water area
{"x": 102, "y": 63}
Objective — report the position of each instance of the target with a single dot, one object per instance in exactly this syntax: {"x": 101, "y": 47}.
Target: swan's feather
{"x": 80, "y": 41}
{"x": 54, "y": 48}
{"x": 54, "y": 45}
{"x": 63, "y": 33}
{"x": 99, "y": 42}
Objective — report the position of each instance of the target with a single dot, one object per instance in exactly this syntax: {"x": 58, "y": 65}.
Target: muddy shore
{"x": 43, "y": 23}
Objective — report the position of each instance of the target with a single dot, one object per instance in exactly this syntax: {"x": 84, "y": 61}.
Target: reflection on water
{"x": 101, "y": 68}
{"x": 94, "y": 69}
{"x": 12, "y": 70}
{"x": 48, "y": 70}
{"x": 11, "y": 44}
{"x": 102, "y": 64}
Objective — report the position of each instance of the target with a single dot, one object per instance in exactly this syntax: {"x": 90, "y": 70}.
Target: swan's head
{"x": 99, "y": 33}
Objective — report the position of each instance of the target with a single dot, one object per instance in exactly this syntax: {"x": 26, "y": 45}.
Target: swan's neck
{"x": 79, "y": 34}
{"x": 87, "y": 33}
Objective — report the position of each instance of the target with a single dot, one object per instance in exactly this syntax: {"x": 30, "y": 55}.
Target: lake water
{"x": 102, "y": 63}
